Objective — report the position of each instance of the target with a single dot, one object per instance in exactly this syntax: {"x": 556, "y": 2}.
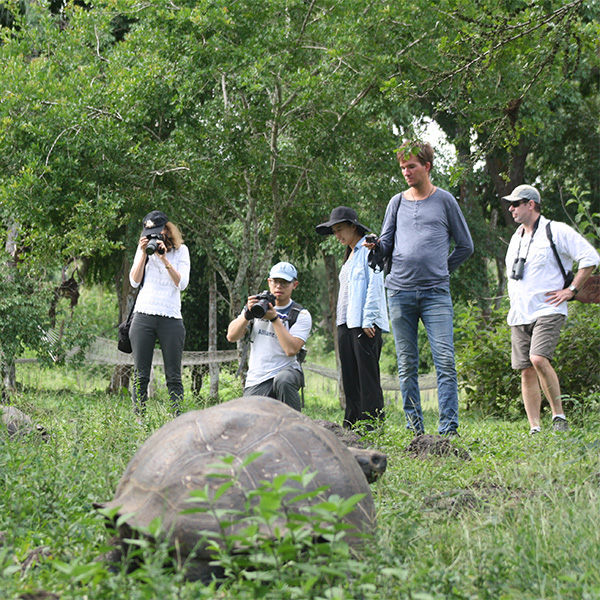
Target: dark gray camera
{"x": 371, "y": 238}
{"x": 153, "y": 246}
{"x": 259, "y": 309}
{"x": 518, "y": 268}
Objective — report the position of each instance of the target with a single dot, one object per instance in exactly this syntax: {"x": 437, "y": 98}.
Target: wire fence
{"x": 104, "y": 351}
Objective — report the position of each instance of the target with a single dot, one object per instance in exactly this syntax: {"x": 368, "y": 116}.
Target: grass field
{"x": 518, "y": 520}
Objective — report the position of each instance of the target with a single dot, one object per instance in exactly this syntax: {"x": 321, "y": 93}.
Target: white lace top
{"x": 159, "y": 294}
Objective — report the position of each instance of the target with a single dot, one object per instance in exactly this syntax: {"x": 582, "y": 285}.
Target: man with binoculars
{"x": 539, "y": 288}
{"x": 279, "y": 327}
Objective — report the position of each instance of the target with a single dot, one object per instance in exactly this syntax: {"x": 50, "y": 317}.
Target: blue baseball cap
{"x": 284, "y": 270}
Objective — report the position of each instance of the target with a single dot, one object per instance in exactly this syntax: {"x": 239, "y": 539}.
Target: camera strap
{"x": 535, "y": 226}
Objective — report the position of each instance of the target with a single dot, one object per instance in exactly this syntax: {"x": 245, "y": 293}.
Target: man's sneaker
{"x": 560, "y": 424}
{"x": 450, "y": 433}
{"x": 534, "y": 430}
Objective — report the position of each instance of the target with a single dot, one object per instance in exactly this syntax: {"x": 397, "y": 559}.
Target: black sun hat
{"x": 340, "y": 214}
{"x": 154, "y": 222}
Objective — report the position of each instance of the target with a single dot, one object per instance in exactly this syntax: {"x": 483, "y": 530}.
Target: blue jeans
{"x": 434, "y": 308}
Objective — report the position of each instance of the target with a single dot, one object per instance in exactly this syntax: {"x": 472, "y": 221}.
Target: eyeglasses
{"x": 280, "y": 283}
{"x": 516, "y": 203}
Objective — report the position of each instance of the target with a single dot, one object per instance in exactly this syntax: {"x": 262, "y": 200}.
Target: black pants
{"x": 145, "y": 329}
{"x": 359, "y": 358}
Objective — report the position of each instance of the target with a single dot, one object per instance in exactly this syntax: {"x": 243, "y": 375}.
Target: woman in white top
{"x": 161, "y": 268}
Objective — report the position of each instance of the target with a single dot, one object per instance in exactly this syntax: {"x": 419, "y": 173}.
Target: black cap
{"x": 340, "y": 214}
{"x": 154, "y": 222}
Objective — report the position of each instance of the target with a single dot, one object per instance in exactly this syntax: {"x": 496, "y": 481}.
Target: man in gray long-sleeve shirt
{"x": 418, "y": 226}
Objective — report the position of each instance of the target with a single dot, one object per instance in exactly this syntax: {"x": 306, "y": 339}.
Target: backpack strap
{"x": 295, "y": 310}
{"x": 376, "y": 261}
{"x": 567, "y": 277}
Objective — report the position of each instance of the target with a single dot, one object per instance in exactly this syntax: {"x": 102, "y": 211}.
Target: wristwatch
{"x": 573, "y": 289}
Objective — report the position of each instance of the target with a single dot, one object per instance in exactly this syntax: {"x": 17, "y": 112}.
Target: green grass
{"x": 519, "y": 520}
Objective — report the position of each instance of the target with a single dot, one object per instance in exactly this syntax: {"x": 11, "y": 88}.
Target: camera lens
{"x": 152, "y": 247}
{"x": 259, "y": 309}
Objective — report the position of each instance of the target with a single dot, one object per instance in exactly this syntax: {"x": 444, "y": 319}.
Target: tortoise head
{"x": 372, "y": 462}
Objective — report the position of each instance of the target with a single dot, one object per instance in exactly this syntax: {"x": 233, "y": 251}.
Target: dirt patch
{"x": 477, "y": 497}
{"x": 34, "y": 558}
{"x": 423, "y": 446}
{"x": 453, "y": 501}
{"x": 39, "y": 595}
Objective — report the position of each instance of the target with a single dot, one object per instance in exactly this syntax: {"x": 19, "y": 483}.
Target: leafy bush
{"x": 483, "y": 358}
{"x": 482, "y": 347}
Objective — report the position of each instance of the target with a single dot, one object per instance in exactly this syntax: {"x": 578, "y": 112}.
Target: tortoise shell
{"x": 178, "y": 458}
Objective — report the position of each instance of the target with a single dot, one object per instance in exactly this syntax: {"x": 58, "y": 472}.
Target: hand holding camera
{"x": 259, "y": 305}
{"x": 371, "y": 241}
{"x": 155, "y": 243}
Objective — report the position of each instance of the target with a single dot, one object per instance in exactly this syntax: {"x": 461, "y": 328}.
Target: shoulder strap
{"x": 375, "y": 259}
{"x": 567, "y": 277}
{"x": 294, "y": 312}
{"x": 553, "y": 246}
{"x": 139, "y": 288}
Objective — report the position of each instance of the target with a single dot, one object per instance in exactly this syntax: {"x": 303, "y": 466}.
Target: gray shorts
{"x": 539, "y": 338}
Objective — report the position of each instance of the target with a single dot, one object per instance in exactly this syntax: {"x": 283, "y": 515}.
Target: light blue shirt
{"x": 366, "y": 302}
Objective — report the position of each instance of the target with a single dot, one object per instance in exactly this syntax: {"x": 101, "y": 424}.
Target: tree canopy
{"x": 247, "y": 122}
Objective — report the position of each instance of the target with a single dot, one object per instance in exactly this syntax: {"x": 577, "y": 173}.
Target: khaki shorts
{"x": 539, "y": 338}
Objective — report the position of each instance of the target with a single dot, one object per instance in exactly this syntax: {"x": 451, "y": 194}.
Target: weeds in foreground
{"x": 517, "y": 521}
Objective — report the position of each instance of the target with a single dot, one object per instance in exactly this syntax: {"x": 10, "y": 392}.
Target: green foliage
{"x": 23, "y": 312}
{"x": 586, "y": 220}
{"x": 524, "y": 503}
{"x": 288, "y": 538}
{"x": 483, "y": 353}
{"x": 483, "y": 361}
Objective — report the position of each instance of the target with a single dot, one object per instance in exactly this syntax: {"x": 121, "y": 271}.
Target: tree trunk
{"x": 7, "y": 363}
{"x": 9, "y": 378}
{"x": 213, "y": 367}
{"x": 333, "y": 289}
{"x": 119, "y": 379}
{"x": 498, "y": 163}
{"x": 121, "y": 375}
{"x": 197, "y": 376}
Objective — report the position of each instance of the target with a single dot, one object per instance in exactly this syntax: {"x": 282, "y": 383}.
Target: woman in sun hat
{"x": 161, "y": 269}
{"x": 361, "y": 318}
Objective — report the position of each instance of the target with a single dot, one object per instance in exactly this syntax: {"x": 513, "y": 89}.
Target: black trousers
{"x": 145, "y": 330}
{"x": 359, "y": 358}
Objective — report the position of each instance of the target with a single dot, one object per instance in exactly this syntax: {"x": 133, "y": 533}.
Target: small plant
{"x": 287, "y": 537}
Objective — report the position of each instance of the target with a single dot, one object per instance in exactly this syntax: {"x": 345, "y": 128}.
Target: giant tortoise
{"x": 18, "y": 423}
{"x": 179, "y": 457}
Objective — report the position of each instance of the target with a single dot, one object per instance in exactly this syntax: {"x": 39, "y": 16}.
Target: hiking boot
{"x": 560, "y": 424}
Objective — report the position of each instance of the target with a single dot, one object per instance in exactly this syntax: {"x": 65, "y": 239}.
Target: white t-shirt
{"x": 159, "y": 294}
{"x": 342, "y": 303}
{"x": 267, "y": 357}
{"x": 528, "y": 300}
